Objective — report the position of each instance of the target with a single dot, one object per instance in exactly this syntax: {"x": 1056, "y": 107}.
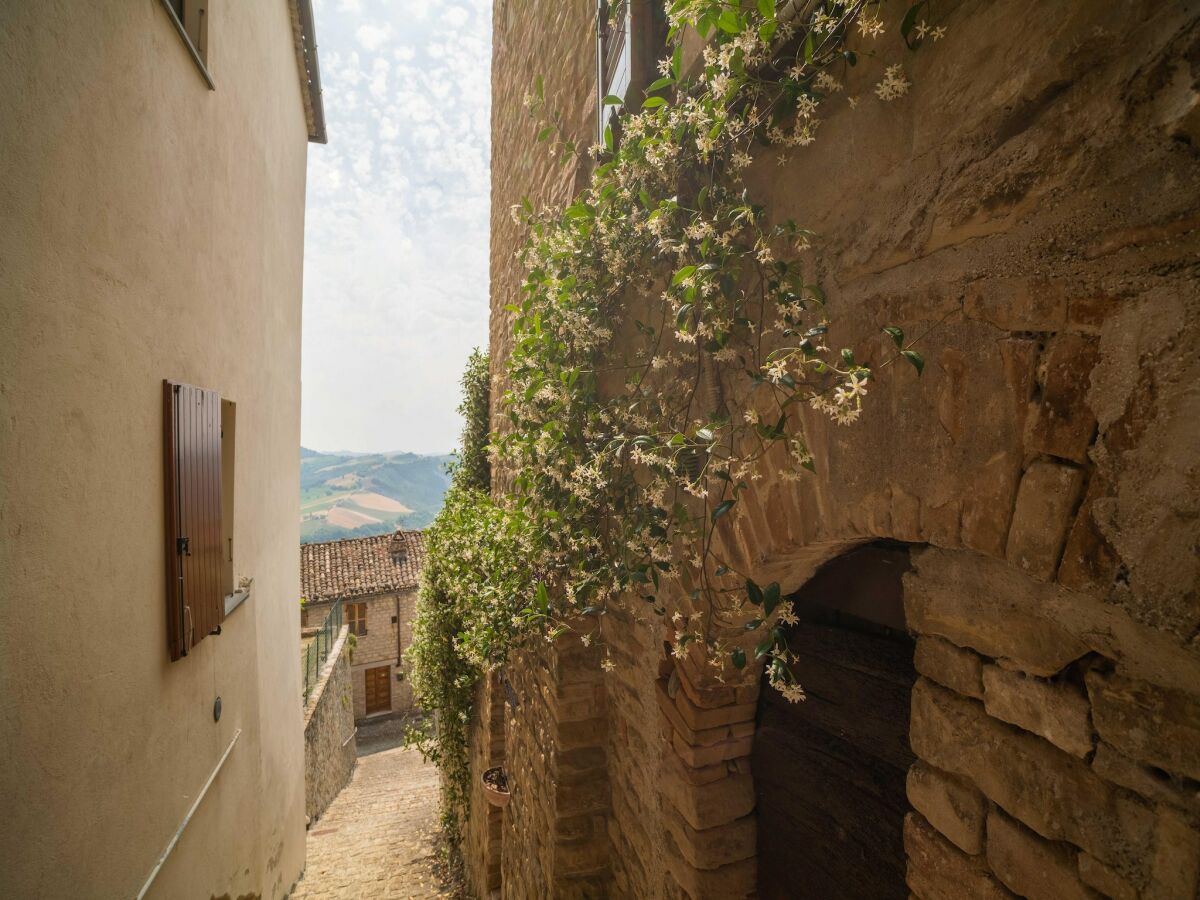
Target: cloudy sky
{"x": 396, "y": 244}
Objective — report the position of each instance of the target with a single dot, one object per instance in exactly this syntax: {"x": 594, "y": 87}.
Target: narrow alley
{"x": 378, "y": 839}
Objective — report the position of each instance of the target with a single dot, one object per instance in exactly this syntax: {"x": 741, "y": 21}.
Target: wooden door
{"x": 379, "y": 689}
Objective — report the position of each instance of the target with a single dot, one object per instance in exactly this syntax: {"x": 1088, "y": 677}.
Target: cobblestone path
{"x": 378, "y": 837}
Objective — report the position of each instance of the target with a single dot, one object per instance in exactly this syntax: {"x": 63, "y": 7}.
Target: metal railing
{"x": 318, "y": 649}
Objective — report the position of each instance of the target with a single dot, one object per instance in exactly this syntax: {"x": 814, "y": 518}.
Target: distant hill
{"x": 359, "y": 494}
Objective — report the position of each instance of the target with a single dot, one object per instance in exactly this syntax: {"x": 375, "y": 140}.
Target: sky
{"x": 396, "y": 231}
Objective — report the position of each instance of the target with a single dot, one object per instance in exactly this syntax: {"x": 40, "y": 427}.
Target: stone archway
{"x": 829, "y": 773}
{"x": 1031, "y": 708}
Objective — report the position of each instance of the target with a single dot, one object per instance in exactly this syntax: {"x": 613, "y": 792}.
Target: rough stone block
{"x": 707, "y": 805}
{"x": 1148, "y": 723}
{"x": 1045, "y": 505}
{"x": 986, "y": 605}
{"x": 1055, "y": 711}
{"x": 1029, "y": 866}
{"x": 580, "y": 856}
{"x": 1158, "y": 786}
{"x": 1064, "y": 424}
{"x": 581, "y": 733}
{"x": 731, "y": 882}
{"x": 952, "y": 805}
{"x": 1055, "y": 794}
{"x": 1089, "y": 560}
{"x": 1105, "y": 879}
{"x": 950, "y": 666}
{"x": 698, "y": 718}
{"x": 712, "y": 848}
{"x": 1018, "y": 304}
{"x": 937, "y": 870}
{"x": 697, "y": 757}
{"x": 587, "y": 796}
{"x": 1176, "y": 868}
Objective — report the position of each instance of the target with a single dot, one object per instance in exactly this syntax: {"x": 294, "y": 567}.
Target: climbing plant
{"x": 668, "y": 335}
{"x": 478, "y": 559}
{"x": 668, "y": 343}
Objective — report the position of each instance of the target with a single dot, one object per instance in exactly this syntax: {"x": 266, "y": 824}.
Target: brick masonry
{"x": 1031, "y": 204}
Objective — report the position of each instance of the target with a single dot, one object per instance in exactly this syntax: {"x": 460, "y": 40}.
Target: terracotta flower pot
{"x": 495, "y": 786}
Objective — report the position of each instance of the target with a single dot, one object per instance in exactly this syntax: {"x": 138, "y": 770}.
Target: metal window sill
{"x": 234, "y": 600}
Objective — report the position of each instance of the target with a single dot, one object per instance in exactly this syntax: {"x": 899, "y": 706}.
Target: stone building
{"x": 997, "y": 570}
{"x": 376, "y": 578}
{"x": 152, "y": 200}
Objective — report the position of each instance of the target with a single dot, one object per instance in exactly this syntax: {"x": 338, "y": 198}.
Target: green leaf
{"x": 608, "y": 138}
{"x": 723, "y": 507}
{"x": 545, "y": 133}
{"x": 910, "y": 20}
{"x": 729, "y": 22}
{"x": 754, "y": 592}
{"x": 683, "y": 273}
{"x": 665, "y": 81}
{"x": 766, "y": 9}
{"x": 895, "y": 334}
{"x": 677, "y": 61}
{"x": 915, "y": 358}
{"x": 738, "y": 656}
{"x": 771, "y": 597}
{"x": 654, "y": 102}
{"x": 613, "y": 100}
{"x": 848, "y": 357}
{"x": 539, "y": 88}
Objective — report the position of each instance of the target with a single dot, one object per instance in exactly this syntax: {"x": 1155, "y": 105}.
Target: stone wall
{"x": 1031, "y": 209}
{"x": 329, "y": 745}
{"x": 482, "y": 831}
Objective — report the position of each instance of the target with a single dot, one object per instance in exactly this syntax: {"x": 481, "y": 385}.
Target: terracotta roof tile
{"x": 359, "y": 566}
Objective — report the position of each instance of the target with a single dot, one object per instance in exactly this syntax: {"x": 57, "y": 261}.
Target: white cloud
{"x": 396, "y": 248}
{"x": 372, "y": 37}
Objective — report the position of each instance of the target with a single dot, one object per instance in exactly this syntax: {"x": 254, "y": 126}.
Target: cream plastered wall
{"x": 152, "y": 229}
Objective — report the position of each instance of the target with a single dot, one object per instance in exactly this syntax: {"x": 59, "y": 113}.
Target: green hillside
{"x": 356, "y": 495}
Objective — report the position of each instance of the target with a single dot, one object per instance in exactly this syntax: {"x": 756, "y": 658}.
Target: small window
{"x": 631, "y": 35}
{"x": 356, "y": 618}
{"x": 190, "y": 18}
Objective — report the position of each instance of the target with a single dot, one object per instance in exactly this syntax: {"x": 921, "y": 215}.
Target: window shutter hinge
{"x": 181, "y": 546}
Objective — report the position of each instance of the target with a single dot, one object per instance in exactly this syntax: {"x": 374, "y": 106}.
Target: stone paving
{"x": 378, "y": 839}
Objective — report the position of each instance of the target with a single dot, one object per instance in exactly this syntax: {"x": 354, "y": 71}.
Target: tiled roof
{"x": 359, "y": 566}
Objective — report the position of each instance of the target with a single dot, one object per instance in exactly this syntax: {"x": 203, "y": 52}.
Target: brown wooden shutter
{"x": 192, "y": 476}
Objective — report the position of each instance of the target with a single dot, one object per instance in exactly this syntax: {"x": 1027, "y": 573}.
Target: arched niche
{"x": 829, "y": 772}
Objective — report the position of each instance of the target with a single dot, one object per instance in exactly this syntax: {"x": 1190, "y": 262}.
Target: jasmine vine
{"x": 669, "y": 335}
{"x": 668, "y": 343}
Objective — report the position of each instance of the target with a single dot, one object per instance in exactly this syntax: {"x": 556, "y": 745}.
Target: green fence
{"x": 317, "y": 651}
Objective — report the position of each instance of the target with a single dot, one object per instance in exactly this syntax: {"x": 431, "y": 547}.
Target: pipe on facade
{"x": 187, "y": 818}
